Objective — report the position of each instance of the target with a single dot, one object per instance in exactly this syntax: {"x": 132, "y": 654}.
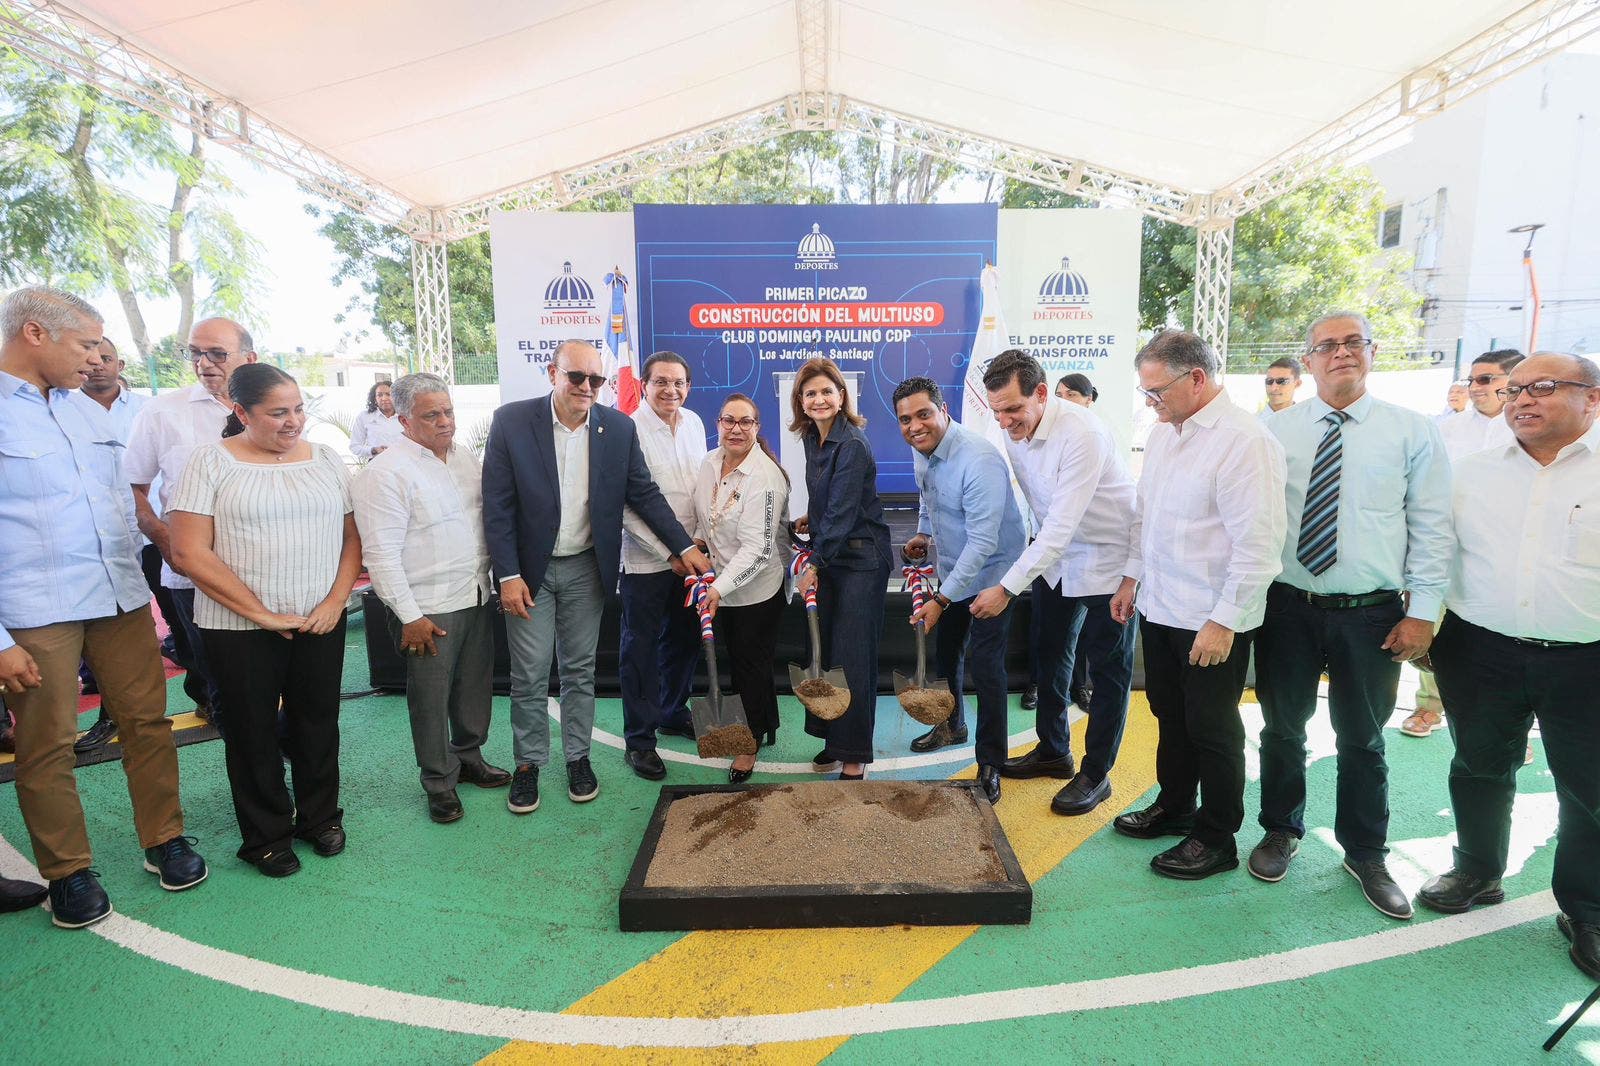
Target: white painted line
{"x": 507, "y": 1023}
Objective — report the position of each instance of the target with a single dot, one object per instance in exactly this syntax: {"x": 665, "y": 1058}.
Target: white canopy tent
{"x": 431, "y": 117}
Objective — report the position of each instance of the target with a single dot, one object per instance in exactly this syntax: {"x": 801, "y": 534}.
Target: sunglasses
{"x": 1482, "y": 379}
{"x": 578, "y": 377}
{"x": 1279, "y": 381}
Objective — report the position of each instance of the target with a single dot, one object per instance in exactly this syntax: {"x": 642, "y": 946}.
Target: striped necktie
{"x": 1318, "y": 548}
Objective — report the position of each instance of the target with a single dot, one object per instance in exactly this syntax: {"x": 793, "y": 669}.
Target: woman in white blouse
{"x": 741, "y": 504}
{"x": 378, "y": 426}
{"x": 262, "y": 523}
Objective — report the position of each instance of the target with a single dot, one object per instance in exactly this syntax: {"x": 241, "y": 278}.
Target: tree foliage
{"x": 75, "y": 212}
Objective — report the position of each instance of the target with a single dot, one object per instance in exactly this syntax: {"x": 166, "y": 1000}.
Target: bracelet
{"x": 942, "y": 600}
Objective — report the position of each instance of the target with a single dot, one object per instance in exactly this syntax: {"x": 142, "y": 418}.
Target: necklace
{"x": 716, "y": 516}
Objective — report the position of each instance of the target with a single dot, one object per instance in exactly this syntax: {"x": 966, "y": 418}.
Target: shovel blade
{"x": 835, "y": 677}
{"x": 797, "y": 674}
{"x": 902, "y": 682}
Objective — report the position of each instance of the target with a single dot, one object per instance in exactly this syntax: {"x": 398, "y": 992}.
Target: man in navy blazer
{"x": 556, "y": 475}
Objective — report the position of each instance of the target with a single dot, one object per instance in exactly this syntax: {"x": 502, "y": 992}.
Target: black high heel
{"x": 739, "y": 777}
{"x": 769, "y": 738}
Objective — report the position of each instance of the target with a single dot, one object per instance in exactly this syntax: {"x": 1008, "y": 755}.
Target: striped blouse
{"x": 280, "y": 528}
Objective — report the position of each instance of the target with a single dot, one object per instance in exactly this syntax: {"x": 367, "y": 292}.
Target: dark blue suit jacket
{"x": 522, "y": 491}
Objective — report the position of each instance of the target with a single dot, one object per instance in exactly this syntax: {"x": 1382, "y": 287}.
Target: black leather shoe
{"x": 1154, "y": 821}
{"x": 484, "y": 776}
{"x": 1585, "y": 940}
{"x": 1379, "y": 887}
{"x": 1081, "y": 696}
{"x": 77, "y": 900}
{"x": 677, "y": 727}
{"x": 20, "y": 895}
{"x": 1193, "y": 859}
{"x": 582, "y": 785}
{"x": 1081, "y": 795}
{"x": 96, "y": 735}
{"x": 1033, "y": 764}
{"x": 524, "y": 797}
{"x": 179, "y": 865}
{"x": 647, "y": 764}
{"x": 989, "y": 781}
{"x": 445, "y": 807}
{"x": 1030, "y": 698}
{"x": 328, "y": 842}
{"x": 824, "y": 762}
{"x": 940, "y": 736}
{"x": 278, "y": 863}
{"x": 1454, "y": 892}
{"x": 1270, "y": 859}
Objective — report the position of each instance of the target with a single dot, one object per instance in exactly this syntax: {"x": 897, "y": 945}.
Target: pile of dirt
{"x": 930, "y": 706}
{"x": 724, "y": 742}
{"x": 822, "y": 699}
{"x": 826, "y": 833}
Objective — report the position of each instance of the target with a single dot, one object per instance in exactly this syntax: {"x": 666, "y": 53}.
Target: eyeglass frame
{"x": 1511, "y": 392}
{"x": 197, "y": 354}
{"x": 681, "y": 384}
{"x": 1321, "y": 347}
{"x": 1482, "y": 379}
{"x": 578, "y": 377}
{"x": 727, "y": 422}
{"x": 1155, "y": 394}
{"x": 1278, "y": 381}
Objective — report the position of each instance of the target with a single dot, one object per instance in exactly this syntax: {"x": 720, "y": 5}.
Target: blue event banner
{"x": 748, "y": 294}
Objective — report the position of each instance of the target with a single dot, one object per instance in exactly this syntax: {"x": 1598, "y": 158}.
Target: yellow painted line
{"x": 715, "y": 974}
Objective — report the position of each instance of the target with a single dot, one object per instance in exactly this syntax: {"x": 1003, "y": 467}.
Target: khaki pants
{"x": 122, "y": 652}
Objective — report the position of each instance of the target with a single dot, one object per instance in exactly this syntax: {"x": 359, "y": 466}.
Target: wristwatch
{"x": 942, "y": 600}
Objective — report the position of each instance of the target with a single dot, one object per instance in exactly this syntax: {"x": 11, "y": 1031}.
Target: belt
{"x": 1340, "y": 603}
{"x": 1537, "y": 643}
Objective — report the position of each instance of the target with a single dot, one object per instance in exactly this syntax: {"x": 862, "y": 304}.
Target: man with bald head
{"x": 164, "y": 435}
{"x": 1521, "y": 642}
{"x": 557, "y": 472}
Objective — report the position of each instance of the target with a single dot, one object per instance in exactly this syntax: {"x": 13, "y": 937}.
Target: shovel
{"x": 826, "y": 695}
{"x": 720, "y": 728}
{"x": 928, "y": 701}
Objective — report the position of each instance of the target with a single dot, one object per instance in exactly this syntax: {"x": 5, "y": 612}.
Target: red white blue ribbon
{"x": 918, "y": 581}
{"x": 797, "y": 566}
{"x": 696, "y": 598}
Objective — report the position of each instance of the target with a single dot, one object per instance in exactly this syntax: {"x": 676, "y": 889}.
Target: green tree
{"x": 71, "y": 162}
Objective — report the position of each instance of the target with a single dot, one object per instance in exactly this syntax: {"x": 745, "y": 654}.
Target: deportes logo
{"x": 569, "y": 300}
{"x": 815, "y": 251}
{"x": 1064, "y": 294}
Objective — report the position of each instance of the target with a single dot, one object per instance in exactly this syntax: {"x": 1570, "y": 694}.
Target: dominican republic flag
{"x": 991, "y": 340}
{"x": 623, "y": 368}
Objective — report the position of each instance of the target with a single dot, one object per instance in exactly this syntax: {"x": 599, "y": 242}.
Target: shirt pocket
{"x": 1583, "y": 538}
{"x": 26, "y": 465}
{"x": 436, "y": 508}
{"x": 1382, "y": 488}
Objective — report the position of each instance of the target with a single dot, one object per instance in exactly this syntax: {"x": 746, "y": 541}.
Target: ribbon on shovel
{"x": 696, "y": 598}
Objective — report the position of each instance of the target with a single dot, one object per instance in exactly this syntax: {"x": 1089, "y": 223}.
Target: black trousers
{"x": 1200, "y": 741}
{"x": 850, "y": 616}
{"x": 1495, "y": 688}
{"x": 750, "y": 634}
{"x": 962, "y": 643}
{"x": 1295, "y": 645}
{"x": 254, "y": 670}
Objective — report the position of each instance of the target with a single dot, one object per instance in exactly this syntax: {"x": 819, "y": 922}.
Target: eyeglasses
{"x": 216, "y": 355}
{"x": 1279, "y": 381}
{"x": 669, "y": 383}
{"x": 1538, "y": 389}
{"x": 729, "y": 422}
{"x": 1483, "y": 379}
{"x": 1155, "y": 394}
{"x": 1353, "y": 345}
{"x": 578, "y": 377}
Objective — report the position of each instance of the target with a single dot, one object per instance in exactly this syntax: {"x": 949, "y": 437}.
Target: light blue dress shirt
{"x": 968, "y": 509}
{"x": 1394, "y": 502}
{"x": 70, "y": 555}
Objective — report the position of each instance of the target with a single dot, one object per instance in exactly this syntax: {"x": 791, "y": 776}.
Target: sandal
{"x": 1422, "y": 723}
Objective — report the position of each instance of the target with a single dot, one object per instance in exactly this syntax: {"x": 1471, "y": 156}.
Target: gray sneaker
{"x": 1270, "y": 860}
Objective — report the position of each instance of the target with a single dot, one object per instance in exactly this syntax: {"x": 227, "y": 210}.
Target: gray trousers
{"x": 449, "y": 695}
{"x": 565, "y": 621}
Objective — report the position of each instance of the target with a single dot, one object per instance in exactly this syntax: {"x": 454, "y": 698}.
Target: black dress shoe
{"x": 647, "y": 764}
{"x": 484, "y": 776}
{"x": 1193, "y": 859}
{"x": 1081, "y": 696}
{"x": 278, "y": 863}
{"x": 825, "y": 762}
{"x": 989, "y": 781}
{"x": 1030, "y": 698}
{"x": 1270, "y": 860}
{"x": 1379, "y": 887}
{"x": 1034, "y": 764}
{"x": 769, "y": 738}
{"x": 445, "y": 807}
{"x": 97, "y": 734}
{"x": 940, "y": 736}
{"x": 1081, "y": 795}
{"x": 1154, "y": 821}
{"x": 328, "y": 842}
{"x": 677, "y": 727}
{"x": 1454, "y": 892}
{"x": 1585, "y": 940}
{"x": 20, "y": 895}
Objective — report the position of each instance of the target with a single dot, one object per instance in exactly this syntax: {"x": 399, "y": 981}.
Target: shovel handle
{"x": 922, "y": 650}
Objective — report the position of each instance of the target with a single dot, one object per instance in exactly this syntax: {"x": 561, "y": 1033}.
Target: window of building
{"x": 1389, "y": 228}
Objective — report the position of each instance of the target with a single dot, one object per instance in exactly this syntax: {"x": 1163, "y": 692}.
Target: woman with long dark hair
{"x": 378, "y": 426}
{"x": 741, "y": 503}
{"x": 849, "y": 557}
{"x": 262, "y": 522}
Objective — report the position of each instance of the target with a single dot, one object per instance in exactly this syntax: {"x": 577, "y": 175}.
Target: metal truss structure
{"x": 51, "y": 34}
{"x": 1213, "y": 284}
